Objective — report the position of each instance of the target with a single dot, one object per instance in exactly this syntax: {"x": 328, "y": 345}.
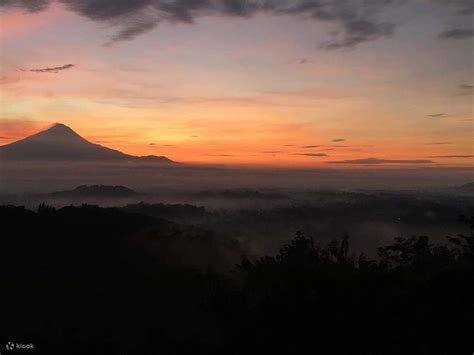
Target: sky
{"x": 301, "y": 83}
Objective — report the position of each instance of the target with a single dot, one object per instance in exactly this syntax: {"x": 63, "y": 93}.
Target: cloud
{"x": 9, "y": 79}
{"x": 457, "y": 33}
{"x": 356, "y": 20}
{"x": 380, "y": 161}
{"x": 436, "y": 114}
{"x": 462, "y": 7}
{"x": 130, "y": 32}
{"x": 438, "y": 143}
{"x": 272, "y": 152}
{"x": 451, "y": 156}
{"x": 313, "y": 154}
{"x": 18, "y": 127}
{"x": 50, "y": 70}
{"x": 29, "y": 5}
{"x": 310, "y": 146}
{"x": 338, "y": 140}
{"x": 466, "y": 87}
{"x": 359, "y": 31}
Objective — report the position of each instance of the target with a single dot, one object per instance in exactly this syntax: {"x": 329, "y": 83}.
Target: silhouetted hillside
{"x": 90, "y": 280}
{"x": 61, "y": 143}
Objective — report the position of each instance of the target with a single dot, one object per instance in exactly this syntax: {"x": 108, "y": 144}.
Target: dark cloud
{"x": 29, "y": 5}
{"x": 313, "y": 154}
{"x": 338, "y": 140}
{"x": 356, "y": 19}
{"x": 380, "y": 161}
{"x": 310, "y": 146}
{"x": 457, "y": 33}
{"x": 436, "y": 115}
{"x": 461, "y": 7}
{"x": 451, "y": 156}
{"x": 438, "y": 143}
{"x": 131, "y": 31}
{"x": 360, "y": 31}
{"x": 106, "y": 9}
{"x": 466, "y": 87}
{"x": 50, "y": 70}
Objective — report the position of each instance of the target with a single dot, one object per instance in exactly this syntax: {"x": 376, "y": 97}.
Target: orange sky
{"x": 254, "y": 90}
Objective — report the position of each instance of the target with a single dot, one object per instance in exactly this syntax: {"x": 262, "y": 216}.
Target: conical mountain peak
{"x": 60, "y": 126}
{"x": 58, "y": 133}
{"x": 60, "y": 142}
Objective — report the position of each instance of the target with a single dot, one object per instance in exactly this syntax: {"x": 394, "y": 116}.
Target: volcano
{"x": 61, "y": 143}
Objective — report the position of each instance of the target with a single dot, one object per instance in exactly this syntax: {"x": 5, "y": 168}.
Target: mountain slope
{"x": 61, "y": 143}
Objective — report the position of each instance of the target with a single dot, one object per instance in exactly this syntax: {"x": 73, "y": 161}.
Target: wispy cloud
{"x": 312, "y": 154}
{"x": 50, "y": 70}
{"x": 461, "y": 7}
{"x": 381, "y": 161}
{"x": 457, "y": 33}
{"x": 219, "y": 155}
{"x": 310, "y": 146}
{"x": 466, "y": 87}
{"x": 18, "y": 127}
{"x": 338, "y": 140}
{"x": 438, "y": 143}
{"x": 451, "y": 156}
{"x": 436, "y": 114}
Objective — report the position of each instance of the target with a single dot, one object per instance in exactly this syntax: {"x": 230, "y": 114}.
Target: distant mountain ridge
{"x": 97, "y": 191}
{"x": 61, "y": 143}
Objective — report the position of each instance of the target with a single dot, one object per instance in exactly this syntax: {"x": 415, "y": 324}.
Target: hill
{"x": 97, "y": 191}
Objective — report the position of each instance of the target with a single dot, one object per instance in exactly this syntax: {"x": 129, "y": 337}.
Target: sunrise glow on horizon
{"x": 262, "y": 87}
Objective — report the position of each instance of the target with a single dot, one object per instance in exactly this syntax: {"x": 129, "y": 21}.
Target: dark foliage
{"x": 90, "y": 280}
